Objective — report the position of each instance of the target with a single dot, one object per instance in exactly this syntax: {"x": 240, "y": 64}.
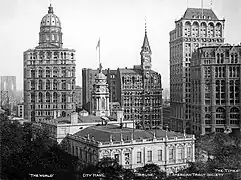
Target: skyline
{"x": 120, "y": 26}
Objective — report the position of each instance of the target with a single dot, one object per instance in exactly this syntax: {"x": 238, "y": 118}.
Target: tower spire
{"x": 145, "y": 26}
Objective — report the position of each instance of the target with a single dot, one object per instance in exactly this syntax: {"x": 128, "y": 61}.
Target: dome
{"x": 50, "y": 19}
{"x": 100, "y": 76}
{"x": 50, "y": 30}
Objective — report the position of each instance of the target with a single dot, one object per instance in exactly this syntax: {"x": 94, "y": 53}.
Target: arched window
{"x": 47, "y": 84}
{"x": 187, "y": 29}
{"x": 180, "y": 153}
{"x": 40, "y": 72}
{"x": 55, "y": 84}
{"x": 55, "y": 97}
{"x": 55, "y": 72}
{"x": 47, "y": 72}
{"x": 32, "y": 73}
{"x": 218, "y": 30}
{"x": 220, "y": 115}
{"x": 40, "y": 85}
{"x": 40, "y": 96}
{"x": 236, "y": 58}
{"x": 234, "y": 115}
{"x": 195, "y": 29}
{"x": 207, "y": 119}
{"x": 203, "y": 29}
{"x": 218, "y": 58}
{"x": 63, "y": 85}
{"x": 210, "y": 29}
{"x": 64, "y": 97}
{"x": 48, "y": 98}
{"x": 32, "y": 97}
{"x": 222, "y": 58}
{"x": 63, "y": 114}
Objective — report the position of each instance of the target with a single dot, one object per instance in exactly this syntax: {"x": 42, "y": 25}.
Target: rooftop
{"x": 81, "y": 119}
{"x": 134, "y": 71}
{"x": 196, "y": 13}
{"x": 103, "y": 133}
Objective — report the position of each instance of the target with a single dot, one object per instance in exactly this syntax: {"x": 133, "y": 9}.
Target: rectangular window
{"x": 159, "y": 155}
{"x": 138, "y": 157}
{"x": 149, "y": 156}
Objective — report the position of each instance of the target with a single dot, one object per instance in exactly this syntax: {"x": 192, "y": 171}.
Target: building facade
{"x": 215, "y": 89}
{"x": 197, "y": 28}
{"x": 20, "y": 110}
{"x": 49, "y": 73}
{"x": 132, "y": 149}
{"x": 139, "y": 91}
{"x": 8, "y": 91}
{"x": 78, "y": 96}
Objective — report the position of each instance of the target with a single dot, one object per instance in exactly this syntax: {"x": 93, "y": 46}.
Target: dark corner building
{"x": 196, "y": 28}
{"x": 138, "y": 90}
{"x": 49, "y": 74}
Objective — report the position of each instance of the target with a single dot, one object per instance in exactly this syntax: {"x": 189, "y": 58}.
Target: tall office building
{"x": 215, "y": 89}
{"x": 196, "y": 28}
{"x": 49, "y": 73}
{"x": 139, "y": 91}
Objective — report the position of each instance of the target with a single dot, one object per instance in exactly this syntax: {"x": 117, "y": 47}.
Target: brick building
{"x": 215, "y": 89}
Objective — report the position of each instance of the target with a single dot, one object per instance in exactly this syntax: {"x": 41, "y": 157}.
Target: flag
{"x": 98, "y": 44}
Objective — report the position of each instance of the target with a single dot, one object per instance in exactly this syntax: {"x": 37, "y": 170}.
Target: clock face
{"x": 146, "y": 58}
{"x": 102, "y": 89}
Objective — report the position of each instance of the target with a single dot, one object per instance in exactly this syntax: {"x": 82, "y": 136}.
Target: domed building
{"x": 49, "y": 73}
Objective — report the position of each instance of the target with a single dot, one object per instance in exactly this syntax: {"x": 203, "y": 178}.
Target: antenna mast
{"x": 202, "y": 8}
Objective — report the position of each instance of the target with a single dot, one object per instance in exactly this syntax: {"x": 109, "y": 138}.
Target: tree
{"x": 24, "y": 151}
{"x": 151, "y": 171}
{"x": 110, "y": 168}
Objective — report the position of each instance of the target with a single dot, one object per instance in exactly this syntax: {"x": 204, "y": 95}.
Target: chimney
{"x": 74, "y": 118}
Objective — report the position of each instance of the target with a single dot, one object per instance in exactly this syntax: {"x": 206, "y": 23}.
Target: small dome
{"x": 50, "y": 19}
{"x": 100, "y": 76}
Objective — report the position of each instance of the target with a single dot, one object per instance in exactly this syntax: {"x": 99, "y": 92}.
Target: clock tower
{"x": 145, "y": 53}
{"x": 100, "y": 95}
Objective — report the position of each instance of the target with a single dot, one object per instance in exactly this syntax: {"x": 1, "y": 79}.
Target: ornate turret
{"x": 146, "y": 53}
{"x": 100, "y": 95}
{"x": 50, "y": 34}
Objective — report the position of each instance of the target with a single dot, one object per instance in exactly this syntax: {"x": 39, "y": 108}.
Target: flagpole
{"x": 99, "y": 51}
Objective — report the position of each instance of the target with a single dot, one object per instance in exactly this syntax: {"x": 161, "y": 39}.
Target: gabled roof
{"x": 194, "y": 13}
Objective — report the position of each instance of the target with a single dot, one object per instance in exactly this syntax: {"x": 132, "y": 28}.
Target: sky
{"x": 120, "y": 24}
